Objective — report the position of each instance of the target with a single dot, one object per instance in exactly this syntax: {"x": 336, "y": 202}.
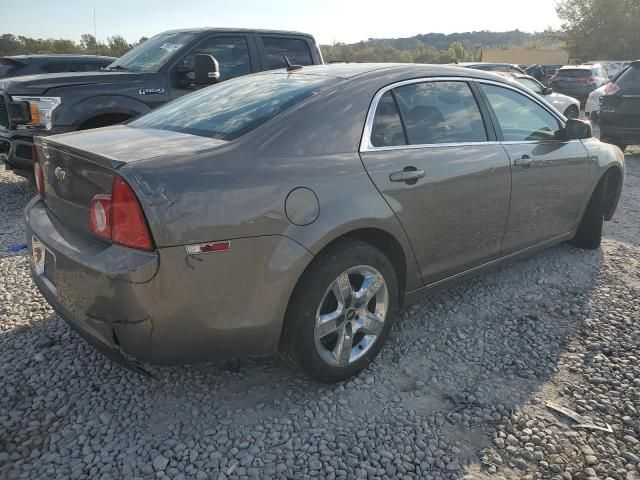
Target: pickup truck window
{"x": 296, "y": 50}
{"x": 232, "y": 54}
{"x": 231, "y": 109}
{"x": 152, "y": 54}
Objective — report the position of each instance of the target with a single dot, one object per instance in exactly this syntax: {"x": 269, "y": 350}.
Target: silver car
{"x": 568, "y": 106}
{"x": 299, "y": 210}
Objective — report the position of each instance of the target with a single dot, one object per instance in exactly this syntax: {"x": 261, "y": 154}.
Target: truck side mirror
{"x": 207, "y": 70}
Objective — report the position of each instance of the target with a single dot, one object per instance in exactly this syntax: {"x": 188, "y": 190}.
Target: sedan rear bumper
{"x": 167, "y": 307}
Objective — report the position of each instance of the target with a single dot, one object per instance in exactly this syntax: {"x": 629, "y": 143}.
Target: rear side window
{"x": 231, "y": 109}
{"x": 440, "y": 112}
{"x": 387, "y": 128}
{"x": 519, "y": 117}
{"x": 296, "y": 50}
{"x": 629, "y": 78}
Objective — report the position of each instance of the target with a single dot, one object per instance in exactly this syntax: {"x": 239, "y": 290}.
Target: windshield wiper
{"x": 117, "y": 67}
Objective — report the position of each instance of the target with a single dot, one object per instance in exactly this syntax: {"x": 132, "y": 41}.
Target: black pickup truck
{"x": 165, "y": 67}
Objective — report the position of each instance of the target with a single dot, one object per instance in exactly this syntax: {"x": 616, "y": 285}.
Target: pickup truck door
{"x": 441, "y": 171}
{"x": 549, "y": 175}
{"x": 236, "y": 54}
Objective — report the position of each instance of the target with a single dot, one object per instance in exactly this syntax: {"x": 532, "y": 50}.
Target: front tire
{"x": 589, "y": 233}
{"x": 341, "y": 311}
{"x": 572, "y": 112}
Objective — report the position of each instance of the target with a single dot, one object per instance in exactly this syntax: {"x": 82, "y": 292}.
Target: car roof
{"x": 469, "y": 64}
{"x": 580, "y": 67}
{"x": 514, "y": 75}
{"x": 409, "y": 70}
{"x": 232, "y": 30}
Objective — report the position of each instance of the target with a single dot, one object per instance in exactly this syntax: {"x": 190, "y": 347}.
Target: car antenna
{"x": 290, "y": 67}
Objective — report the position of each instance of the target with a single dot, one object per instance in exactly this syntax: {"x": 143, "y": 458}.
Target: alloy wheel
{"x": 351, "y": 315}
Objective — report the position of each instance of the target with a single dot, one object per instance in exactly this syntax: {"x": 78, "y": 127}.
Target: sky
{"x": 328, "y": 20}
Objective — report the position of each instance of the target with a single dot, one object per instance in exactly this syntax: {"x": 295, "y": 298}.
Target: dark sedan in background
{"x": 18, "y": 65}
{"x": 300, "y": 209}
{"x": 620, "y": 108}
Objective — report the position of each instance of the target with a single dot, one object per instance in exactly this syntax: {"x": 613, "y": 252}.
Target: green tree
{"x": 601, "y": 29}
{"x": 117, "y": 45}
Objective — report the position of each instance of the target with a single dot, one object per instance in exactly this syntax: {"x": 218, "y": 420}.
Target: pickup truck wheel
{"x": 589, "y": 233}
{"x": 341, "y": 311}
{"x": 572, "y": 112}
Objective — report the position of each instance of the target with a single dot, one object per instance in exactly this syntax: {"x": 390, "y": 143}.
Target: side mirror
{"x": 577, "y": 129}
{"x": 547, "y": 91}
{"x": 207, "y": 71}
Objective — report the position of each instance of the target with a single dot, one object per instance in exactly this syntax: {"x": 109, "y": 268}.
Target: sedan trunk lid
{"x": 78, "y": 167}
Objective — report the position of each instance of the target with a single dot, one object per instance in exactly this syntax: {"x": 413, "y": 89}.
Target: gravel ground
{"x": 459, "y": 391}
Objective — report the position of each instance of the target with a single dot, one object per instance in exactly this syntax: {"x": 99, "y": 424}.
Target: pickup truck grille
{"x": 4, "y": 114}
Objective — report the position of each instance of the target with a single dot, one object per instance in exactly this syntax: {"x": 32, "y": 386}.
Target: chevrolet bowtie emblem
{"x": 60, "y": 174}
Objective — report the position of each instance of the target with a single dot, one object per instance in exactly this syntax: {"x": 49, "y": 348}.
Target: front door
{"x": 428, "y": 152}
{"x": 549, "y": 174}
{"x": 235, "y": 53}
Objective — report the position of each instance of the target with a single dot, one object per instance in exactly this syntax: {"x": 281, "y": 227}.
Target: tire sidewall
{"x": 301, "y": 316}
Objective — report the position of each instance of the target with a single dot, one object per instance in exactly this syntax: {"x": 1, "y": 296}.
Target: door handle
{"x": 409, "y": 175}
{"x": 524, "y": 161}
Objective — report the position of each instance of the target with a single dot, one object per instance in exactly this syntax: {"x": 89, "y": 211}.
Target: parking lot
{"x": 460, "y": 390}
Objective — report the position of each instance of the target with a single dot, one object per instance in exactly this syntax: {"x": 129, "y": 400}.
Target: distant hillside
{"x": 429, "y": 47}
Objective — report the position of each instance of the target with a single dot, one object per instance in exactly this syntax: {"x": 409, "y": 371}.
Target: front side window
{"x": 232, "y": 54}
{"x": 440, "y": 112}
{"x": 530, "y": 84}
{"x": 152, "y": 54}
{"x": 231, "y": 109}
{"x": 296, "y": 50}
{"x": 519, "y": 117}
{"x": 387, "y": 130}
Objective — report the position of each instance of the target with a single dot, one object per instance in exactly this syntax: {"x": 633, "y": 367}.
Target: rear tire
{"x": 572, "y": 112}
{"x": 589, "y": 233}
{"x": 341, "y": 311}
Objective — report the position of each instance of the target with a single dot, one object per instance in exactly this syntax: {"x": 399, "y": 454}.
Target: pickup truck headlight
{"x": 40, "y": 111}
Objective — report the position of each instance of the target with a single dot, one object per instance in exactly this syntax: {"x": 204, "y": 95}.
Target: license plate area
{"x": 44, "y": 263}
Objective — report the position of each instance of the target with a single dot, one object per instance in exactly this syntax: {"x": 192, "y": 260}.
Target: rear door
{"x": 273, "y": 47}
{"x": 429, "y": 152}
{"x": 549, "y": 176}
{"x": 235, "y": 52}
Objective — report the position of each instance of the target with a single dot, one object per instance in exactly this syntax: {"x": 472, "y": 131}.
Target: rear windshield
{"x": 574, "y": 73}
{"x": 235, "y": 107}
{"x": 629, "y": 78}
{"x": 8, "y": 67}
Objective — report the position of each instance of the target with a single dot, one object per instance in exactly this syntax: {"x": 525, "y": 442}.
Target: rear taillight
{"x": 118, "y": 217}
{"x": 37, "y": 172}
{"x": 611, "y": 88}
